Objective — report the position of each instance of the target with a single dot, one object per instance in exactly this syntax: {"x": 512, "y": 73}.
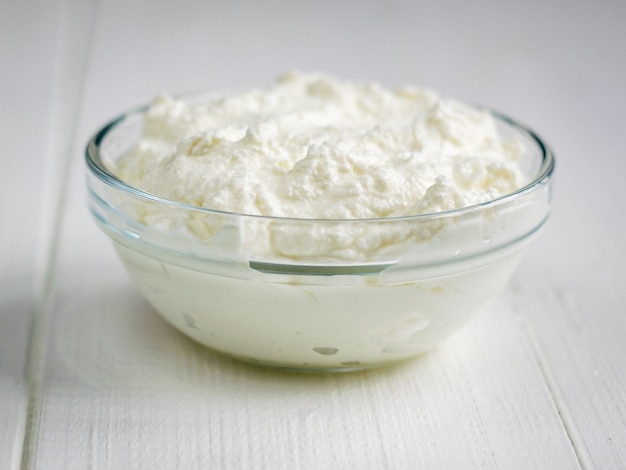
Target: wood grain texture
{"x": 60, "y": 30}
{"x": 27, "y": 48}
{"x": 578, "y": 323}
{"x": 571, "y": 285}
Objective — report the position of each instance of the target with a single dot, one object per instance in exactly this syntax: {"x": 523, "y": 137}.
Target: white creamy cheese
{"x": 323, "y": 294}
{"x": 316, "y": 147}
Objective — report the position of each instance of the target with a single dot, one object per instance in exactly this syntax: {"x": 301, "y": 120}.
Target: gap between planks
{"x": 549, "y": 378}
{"x": 75, "y": 26}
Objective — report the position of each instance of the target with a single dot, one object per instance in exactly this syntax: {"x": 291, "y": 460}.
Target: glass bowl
{"x": 298, "y": 293}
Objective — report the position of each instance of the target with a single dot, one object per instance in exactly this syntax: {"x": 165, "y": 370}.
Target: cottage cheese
{"x": 316, "y": 147}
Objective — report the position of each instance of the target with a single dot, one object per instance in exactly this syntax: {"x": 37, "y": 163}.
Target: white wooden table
{"x": 90, "y": 377}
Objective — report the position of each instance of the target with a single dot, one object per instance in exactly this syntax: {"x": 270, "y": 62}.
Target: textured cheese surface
{"x": 315, "y": 146}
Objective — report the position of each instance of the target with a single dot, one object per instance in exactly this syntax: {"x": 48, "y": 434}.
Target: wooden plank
{"x": 571, "y": 287}
{"x": 576, "y": 304}
{"x": 27, "y": 47}
{"x": 61, "y": 31}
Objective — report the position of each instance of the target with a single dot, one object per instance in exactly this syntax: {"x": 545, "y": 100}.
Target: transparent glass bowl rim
{"x": 95, "y": 164}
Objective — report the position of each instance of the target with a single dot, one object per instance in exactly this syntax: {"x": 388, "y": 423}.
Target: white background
{"x": 90, "y": 377}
